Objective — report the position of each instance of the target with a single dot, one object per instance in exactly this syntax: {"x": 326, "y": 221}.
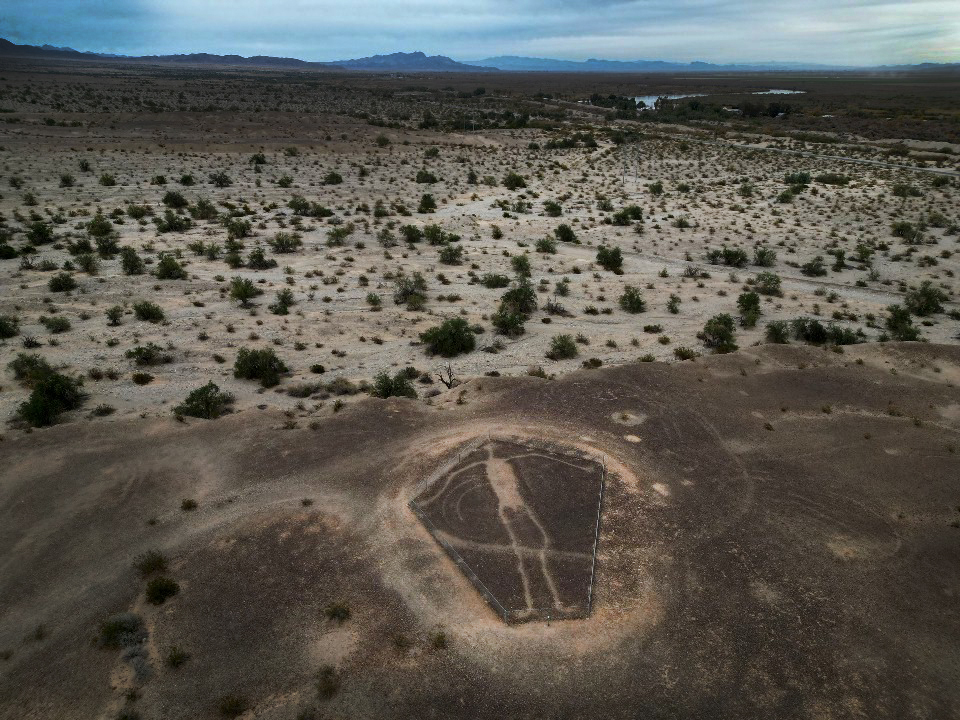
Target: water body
{"x": 649, "y": 100}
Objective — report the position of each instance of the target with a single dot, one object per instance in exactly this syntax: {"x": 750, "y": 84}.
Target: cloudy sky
{"x": 853, "y": 32}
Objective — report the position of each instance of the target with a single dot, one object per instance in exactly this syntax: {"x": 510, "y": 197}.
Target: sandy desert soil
{"x": 715, "y": 194}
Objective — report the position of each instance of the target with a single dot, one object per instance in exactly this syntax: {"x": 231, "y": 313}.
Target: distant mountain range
{"x": 419, "y": 62}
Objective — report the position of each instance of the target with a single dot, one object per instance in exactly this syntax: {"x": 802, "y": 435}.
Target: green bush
{"x": 130, "y": 262}
{"x": 332, "y": 178}
{"x": 427, "y": 204}
{"x": 768, "y": 283}
{"x": 148, "y": 311}
{"x": 150, "y": 562}
{"x": 632, "y": 300}
{"x": 175, "y": 200}
{"x": 399, "y": 385}
{"x": 122, "y": 630}
{"x": 900, "y": 324}
{"x": 243, "y": 290}
{"x": 451, "y": 254}
{"x": 40, "y": 233}
{"x": 9, "y": 326}
{"x": 52, "y": 395}
{"x": 764, "y": 256}
{"x": 55, "y": 323}
{"x": 410, "y": 290}
{"x": 262, "y": 365}
{"x": 552, "y": 208}
{"x": 610, "y": 259}
{"x": 450, "y": 338}
{"x": 62, "y": 282}
{"x": 284, "y": 302}
{"x": 149, "y": 354}
{"x": 28, "y": 369}
{"x": 546, "y": 245}
{"x": 718, "y": 333}
{"x": 171, "y": 222}
{"x": 207, "y": 402}
{"x": 733, "y": 257}
{"x": 284, "y": 242}
{"x": 220, "y": 179}
{"x": 749, "y": 306}
{"x": 925, "y": 300}
{"x": 778, "y": 331}
{"x": 814, "y": 268}
{"x": 562, "y": 347}
{"x": 564, "y": 233}
{"x": 493, "y": 281}
{"x": 513, "y": 181}
{"x": 169, "y": 269}
{"x": 425, "y": 176}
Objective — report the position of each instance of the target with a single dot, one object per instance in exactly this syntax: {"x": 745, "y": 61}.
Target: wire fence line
{"x": 461, "y": 563}
{"x": 596, "y": 534}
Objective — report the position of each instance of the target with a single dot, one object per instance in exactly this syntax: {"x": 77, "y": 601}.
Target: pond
{"x": 649, "y": 100}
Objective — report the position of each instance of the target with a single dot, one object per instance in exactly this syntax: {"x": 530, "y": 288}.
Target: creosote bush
{"x": 208, "y": 402}
{"x": 262, "y": 365}
{"x": 399, "y": 385}
{"x": 450, "y": 338}
{"x": 718, "y": 333}
{"x": 562, "y": 347}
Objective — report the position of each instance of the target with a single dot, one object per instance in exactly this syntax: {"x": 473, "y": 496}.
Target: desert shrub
{"x": 523, "y": 298}
{"x": 552, "y": 208}
{"x": 150, "y": 562}
{"x": 88, "y": 263}
{"x": 284, "y": 242}
{"x": 427, "y": 204}
{"x": 627, "y": 215}
{"x": 149, "y": 354}
{"x": 718, "y": 333}
{"x": 905, "y": 190}
{"x": 399, "y": 385}
{"x": 100, "y": 226}
{"x": 171, "y": 222}
{"x": 809, "y": 330}
{"x": 749, "y": 306}
{"x": 925, "y": 300}
{"x": 332, "y": 178}
{"x": 564, "y": 233}
{"x": 283, "y": 303}
{"x": 176, "y": 657}
{"x": 107, "y": 180}
{"x": 425, "y": 176}
{"x": 764, "y": 256}
{"x": 62, "y": 282}
{"x": 142, "y": 378}
{"x": 39, "y": 233}
{"x": 768, "y": 283}
{"x": 900, "y": 325}
{"x": 161, "y": 589}
{"x": 52, "y": 395}
{"x": 220, "y": 179}
{"x": 733, "y": 257}
{"x": 451, "y": 254}
{"x": 208, "y": 402}
{"x": 814, "y": 268}
{"x": 203, "y": 209}
{"x": 28, "y": 369}
{"x": 9, "y": 326}
{"x": 328, "y": 682}
{"x": 546, "y": 245}
{"x": 450, "y": 338}
{"x": 257, "y": 260}
{"x": 797, "y": 178}
{"x": 173, "y": 199}
{"x": 562, "y": 347}
{"x": 832, "y": 179}
{"x": 685, "y": 353}
{"x": 262, "y": 365}
{"x": 169, "y": 269}
{"x": 410, "y": 290}
{"x": 778, "y": 331}
{"x": 337, "y": 612}
{"x": 411, "y": 234}
{"x": 610, "y": 258}
{"x": 521, "y": 266}
{"x": 493, "y": 281}
{"x": 148, "y": 311}
{"x": 130, "y": 262}
{"x": 187, "y": 180}
{"x": 513, "y": 181}
{"x": 632, "y": 300}
{"x": 55, "y": 323}
{"x": 122, "y": 630}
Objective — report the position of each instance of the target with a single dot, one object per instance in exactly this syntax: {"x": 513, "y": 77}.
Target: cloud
{"x": 855, "y": 32}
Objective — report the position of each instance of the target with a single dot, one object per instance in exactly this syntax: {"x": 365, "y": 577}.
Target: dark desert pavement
{"x": 779, "y": 540}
